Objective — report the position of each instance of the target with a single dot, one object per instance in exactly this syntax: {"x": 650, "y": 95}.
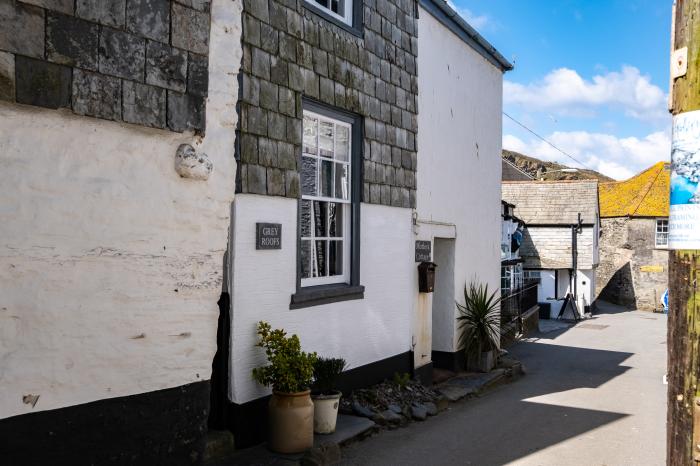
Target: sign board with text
{"x": 268, "y": 236}
{"x": 423, "y": 251}
{"x": 684, "y": 219}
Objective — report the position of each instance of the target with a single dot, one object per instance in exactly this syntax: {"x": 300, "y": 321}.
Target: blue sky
{"x": 591, "y": 76}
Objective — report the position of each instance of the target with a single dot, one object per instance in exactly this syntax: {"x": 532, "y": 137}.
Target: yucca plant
{"x": 479, "y": 320}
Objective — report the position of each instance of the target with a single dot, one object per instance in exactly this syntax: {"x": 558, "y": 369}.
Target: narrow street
{"x": 593, "y": 395}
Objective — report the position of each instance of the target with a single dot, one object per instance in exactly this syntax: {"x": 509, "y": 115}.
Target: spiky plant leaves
{"x": 479, "y": 320}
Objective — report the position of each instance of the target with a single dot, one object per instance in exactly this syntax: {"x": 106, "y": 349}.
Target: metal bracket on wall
{"x": 679, "y": 63}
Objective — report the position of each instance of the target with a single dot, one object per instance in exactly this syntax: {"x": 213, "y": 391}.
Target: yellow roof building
{"x": 643, "y": 195}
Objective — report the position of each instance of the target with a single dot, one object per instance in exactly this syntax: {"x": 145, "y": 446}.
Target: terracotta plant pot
{"x": 291, "y": 418}
{"x": 326, "y": 412}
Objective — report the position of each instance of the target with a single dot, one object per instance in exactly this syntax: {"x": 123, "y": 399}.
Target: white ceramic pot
{"x": 325, "y": 412}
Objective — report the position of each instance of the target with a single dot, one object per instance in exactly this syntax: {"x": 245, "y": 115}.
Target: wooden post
{"x": 684, "y": 273}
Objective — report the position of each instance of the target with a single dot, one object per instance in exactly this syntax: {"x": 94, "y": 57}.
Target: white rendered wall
{"x": 360, "y": 331}
{"x": 459, "y": 154}
{"x": 585, "y": 284}
{"x": 545, "y": 289}
{"x": 586, "y": 288}
{"x": 110, "y": 263}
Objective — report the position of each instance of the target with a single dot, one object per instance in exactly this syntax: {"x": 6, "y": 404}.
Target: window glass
{"x": 325, "y": 206}
{"x": 340, "y": 9}
{"x": 661, "y": 232}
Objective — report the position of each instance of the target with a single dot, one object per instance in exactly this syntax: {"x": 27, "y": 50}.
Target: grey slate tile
{"x": 71, "y": 41}
{"x": 96, "y": 95}
{"x": 41, "y": 83}
{"x": 122, "y": 54}
{"x": 21, "y": 29}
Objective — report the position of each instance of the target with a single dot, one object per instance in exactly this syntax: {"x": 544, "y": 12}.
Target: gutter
{"x": 455, "y": 23}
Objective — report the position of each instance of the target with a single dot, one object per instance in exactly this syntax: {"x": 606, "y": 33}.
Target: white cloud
{"x": 476, "y": 21}
{"x": 615, "y": 157}
{"x": 563, "y": 90}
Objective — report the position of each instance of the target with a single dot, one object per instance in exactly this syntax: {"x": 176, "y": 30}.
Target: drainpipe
{"x": 575, "y": 230}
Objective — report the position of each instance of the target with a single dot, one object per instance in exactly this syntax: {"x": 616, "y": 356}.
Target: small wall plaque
{"x": 269, "y": 235}
{"x": 423, "y": 251}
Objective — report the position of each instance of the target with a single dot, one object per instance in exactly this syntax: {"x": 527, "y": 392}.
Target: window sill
{"x": 355, "y": 31}
{"x": 325, "y": 294}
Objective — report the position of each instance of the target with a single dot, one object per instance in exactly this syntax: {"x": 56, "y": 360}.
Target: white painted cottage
{"x": 560, "y": 245}
{"x": 132, "y": 279}
{"x": 112, "y": 239}
{"x": 459, "y": 173}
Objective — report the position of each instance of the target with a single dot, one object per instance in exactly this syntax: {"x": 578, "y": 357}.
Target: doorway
{"x": 443, "y": 309}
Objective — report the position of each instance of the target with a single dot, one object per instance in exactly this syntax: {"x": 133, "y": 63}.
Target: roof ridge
{"x": 658, "y": 166}
{"x": 638, "y": 195}
{"x": 532, "y": 178}
{"x": 648, "y": 188}
{"x": 548, "y": 181}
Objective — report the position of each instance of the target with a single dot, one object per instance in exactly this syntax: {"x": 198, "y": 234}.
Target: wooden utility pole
{"x": 683, "y": 441}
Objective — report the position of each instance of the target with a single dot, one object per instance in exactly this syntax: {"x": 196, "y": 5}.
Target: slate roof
{"x": 509, "y": 172}
{"x": 553, "y": 202}
{"x": 644, "y": 195}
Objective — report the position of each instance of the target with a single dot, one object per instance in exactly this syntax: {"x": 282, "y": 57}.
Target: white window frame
{"x": 658, "y": 234}
{"x": 347, "y": 19}
{"x": 346, "y": 237}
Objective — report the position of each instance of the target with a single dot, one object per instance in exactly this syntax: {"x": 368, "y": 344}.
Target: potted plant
{"x": 289, "y": 373}
{"x": 480, "y": 326}
{"x": 325, "y": 396}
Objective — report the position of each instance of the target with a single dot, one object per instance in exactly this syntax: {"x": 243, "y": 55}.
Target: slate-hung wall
{"x": 138, "y": 61}
{"x": 290, "y": 52}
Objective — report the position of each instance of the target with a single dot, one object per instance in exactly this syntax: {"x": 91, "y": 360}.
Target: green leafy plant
{"x": 479, "y": 320}
{"x": 401, "y": 379}
{"x": 290, "y": 369}
{"x": 326, "y": 373}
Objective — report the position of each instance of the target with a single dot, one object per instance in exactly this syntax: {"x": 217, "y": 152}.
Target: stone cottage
{"x": 117, "y": 138}
{"x": 330, "y": 157}
{"x": 634, "y": 236}
{"x": 560, "y": 244}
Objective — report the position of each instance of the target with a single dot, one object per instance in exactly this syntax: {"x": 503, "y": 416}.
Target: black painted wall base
{"x": 451, "y": 361}
{"x": 424, "y": 374}
{"x": 248, "y": 421}
{"x": 161, "y": 427}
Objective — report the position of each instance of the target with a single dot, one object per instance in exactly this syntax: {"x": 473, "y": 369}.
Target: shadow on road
{"x": 505, "y": 425}
{"x": 537, "y": 425}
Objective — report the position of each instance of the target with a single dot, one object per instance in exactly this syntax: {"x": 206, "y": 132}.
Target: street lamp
{"x": 563, "y": 170}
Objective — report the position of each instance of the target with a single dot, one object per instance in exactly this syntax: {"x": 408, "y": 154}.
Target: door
{"x": 444, "y": 307}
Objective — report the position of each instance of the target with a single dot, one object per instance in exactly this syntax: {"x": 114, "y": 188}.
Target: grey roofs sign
{"x": 269, "y": 236}
{"x": 423, "y": 251}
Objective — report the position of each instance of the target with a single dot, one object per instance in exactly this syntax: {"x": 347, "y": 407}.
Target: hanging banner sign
{"x": 684, "y": 222}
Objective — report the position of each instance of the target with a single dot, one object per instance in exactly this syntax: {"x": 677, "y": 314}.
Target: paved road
{"x": 593, "y": 395}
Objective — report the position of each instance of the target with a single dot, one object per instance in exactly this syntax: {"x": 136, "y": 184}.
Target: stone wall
{"x": 138, "y": 61}
{"x": 289, "y": 52}
{"x": 627, "y": 245}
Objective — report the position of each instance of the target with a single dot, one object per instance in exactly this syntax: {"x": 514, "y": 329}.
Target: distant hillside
{"x": 535, "y": 167}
